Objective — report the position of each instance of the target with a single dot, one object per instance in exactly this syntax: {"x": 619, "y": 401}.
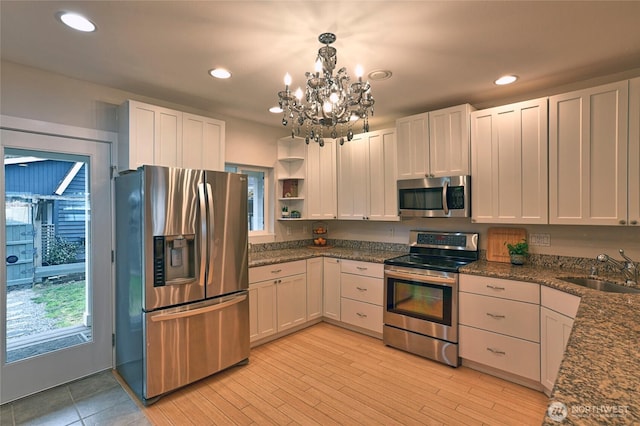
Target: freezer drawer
{"x": 191, "y": 342}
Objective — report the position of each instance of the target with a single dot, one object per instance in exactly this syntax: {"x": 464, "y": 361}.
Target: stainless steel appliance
{"x": 182, "y": 309}
{"x": 435, "y": 197}
{"x": 421, "y": 294}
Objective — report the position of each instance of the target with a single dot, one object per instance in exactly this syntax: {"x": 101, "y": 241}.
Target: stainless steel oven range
{"x": 421, "y": 294}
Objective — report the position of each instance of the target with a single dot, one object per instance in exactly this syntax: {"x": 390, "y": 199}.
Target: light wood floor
{"x": 328, "y": 375}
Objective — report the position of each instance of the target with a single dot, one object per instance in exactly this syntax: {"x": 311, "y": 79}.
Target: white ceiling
{"x": 441, "y": 53}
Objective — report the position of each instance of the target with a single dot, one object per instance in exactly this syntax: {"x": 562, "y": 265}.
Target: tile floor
{"x": 95, "y": 400}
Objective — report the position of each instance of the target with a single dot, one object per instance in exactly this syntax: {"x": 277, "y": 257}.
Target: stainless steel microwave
{"x": 435, "y": 197}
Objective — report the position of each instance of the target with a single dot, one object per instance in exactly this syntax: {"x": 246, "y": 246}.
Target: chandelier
{"x": 329, "y": 103}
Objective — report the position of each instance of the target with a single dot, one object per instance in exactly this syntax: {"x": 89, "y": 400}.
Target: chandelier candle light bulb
{"x": 329, "y": 102}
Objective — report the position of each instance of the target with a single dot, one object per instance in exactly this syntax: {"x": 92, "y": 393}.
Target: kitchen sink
{"x": 601, "y": 285}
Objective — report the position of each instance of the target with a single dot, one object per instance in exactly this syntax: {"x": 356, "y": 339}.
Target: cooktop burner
{"x": 439, "y": 251}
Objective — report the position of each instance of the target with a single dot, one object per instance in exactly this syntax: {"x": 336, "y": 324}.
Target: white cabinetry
{"x": 434, "y": 143}
{"x": 321, "y": 182}
{"x": 315, "y": 268}
{"x": 153, "y": 135}
{"x": 362, "y": 293}
{"x": 367, "y": 177}
{"x": 588, "y": 156}
{"x": 499, "y": 325}
{"x": 556, "y": 320}
{"x": 331, "y": 291}
{"x": 281, "y": 289}
{"x": 634, "y": 152}
{"x": 291, "y": 173}
{"x": 413, "y": 146}
{"x": 509, "y": 163}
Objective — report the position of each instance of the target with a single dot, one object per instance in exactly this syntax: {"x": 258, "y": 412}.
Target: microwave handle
{"x": 445, "y": 188}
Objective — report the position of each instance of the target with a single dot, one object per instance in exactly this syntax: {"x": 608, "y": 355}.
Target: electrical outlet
{"x": 288, "y": 230}
{"x": 540, "y": 240}
{"x": 392, "y": 231}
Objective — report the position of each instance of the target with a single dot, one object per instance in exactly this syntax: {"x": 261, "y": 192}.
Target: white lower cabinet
{"x": 275, "y": 295}
{"x": 315, "y": 273}
{"x": 331, "y": 290}
{"x": 556, "y": 320}
{"x": 499, "y": 325}
{"x": 361, "y": 294}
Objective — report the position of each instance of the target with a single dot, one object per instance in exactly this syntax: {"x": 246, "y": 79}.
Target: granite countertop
{"x": 599, "y": 378}
{"x": 269, "y": 257}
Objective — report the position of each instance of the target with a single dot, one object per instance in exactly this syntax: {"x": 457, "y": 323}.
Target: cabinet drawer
{"x": 505, "y": 353}
{"x": 361, "y": 314}
{"x": 559, "y": 301}
{"x": 363, "y": 289}
{"x": 277, "y": 270}
{"x": 497, "y": 287}
{"x": 517, "y": 319}
{"x": 362, "y": 268}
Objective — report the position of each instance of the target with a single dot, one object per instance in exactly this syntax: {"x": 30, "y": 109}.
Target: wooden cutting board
{"x": 497, "y": 237}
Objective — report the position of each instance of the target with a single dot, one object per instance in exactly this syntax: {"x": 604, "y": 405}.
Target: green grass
{"x": 64, "y": 303}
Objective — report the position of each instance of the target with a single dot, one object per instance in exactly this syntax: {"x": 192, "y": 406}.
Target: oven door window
{"x": 421, "y": 199}
{"x": 431, "y": 302}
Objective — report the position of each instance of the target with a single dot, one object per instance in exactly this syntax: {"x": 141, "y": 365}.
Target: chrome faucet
{"x": 628, "y": 267}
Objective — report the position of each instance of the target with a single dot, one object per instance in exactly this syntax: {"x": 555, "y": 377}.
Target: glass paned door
{"x": 56, "y": 303}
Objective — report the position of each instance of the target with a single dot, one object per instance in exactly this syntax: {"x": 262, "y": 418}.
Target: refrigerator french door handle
{"x": 193, "y": 312}
{"x": 209, "y": 240}
{"x": 204, "y": 247}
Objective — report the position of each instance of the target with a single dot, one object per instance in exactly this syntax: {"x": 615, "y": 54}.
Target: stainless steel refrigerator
{"x": 182, "y": 308}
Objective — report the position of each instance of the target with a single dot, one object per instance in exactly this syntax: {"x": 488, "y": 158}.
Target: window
{"x": 259, "y": 178}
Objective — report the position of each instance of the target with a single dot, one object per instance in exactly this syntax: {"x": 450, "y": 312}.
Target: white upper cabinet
{"x": 588, "y": 156}
{"x": 449, "y": 141}
{"x": 509, "y": 163}
{"x": 434, "y": 144}
{"x": 634, "y": 152}
{"x": 367, "y": 177}
{"x": 202, "y": 142}
{"x": 413, "y": 146}
{"x": 153, "y": 135}
{"x": 322, "y": 196}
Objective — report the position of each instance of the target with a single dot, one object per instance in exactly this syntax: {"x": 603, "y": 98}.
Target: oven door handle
{"x": 445, "y": 206}
{"x": 428, "y": 279}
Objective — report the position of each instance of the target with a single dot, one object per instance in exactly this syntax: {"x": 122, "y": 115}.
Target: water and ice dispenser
{"x": 174, "y": 259}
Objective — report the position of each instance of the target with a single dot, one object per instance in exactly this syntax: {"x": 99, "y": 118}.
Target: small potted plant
{"x": 518, "y": 251}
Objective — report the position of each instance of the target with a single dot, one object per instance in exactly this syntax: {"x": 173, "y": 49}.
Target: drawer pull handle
{"x": 361, "y": 268}
{"x": 496, "y": 351}
{"x": 361, "y": 289}
{"x": 361, "y": 315}
{"x": 493, "y": 287}
{"x": 495, "y": 316}
{"x": 276, "y": 271}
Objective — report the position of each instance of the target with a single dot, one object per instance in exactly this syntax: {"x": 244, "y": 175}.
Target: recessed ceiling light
{"x": 275, "y": 109}
{"x": 506, "y": 79}
{"x": 219, "y": 73}
{"x": 378, "y": 75}
{"x": 76, "y": 21}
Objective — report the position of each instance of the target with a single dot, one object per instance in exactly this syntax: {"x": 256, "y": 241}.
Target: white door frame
{"x": 28, "y": 376}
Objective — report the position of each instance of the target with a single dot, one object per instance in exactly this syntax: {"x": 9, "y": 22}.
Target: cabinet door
{"x": 262, "y": 309}
{"x": 634, "y": 152}
{"x": 168, "y": 138}
{"x": 331, "y": 292}
{"x": 292, "y": 296}
{"x": 554, "y": 335}
{"x": 449, "y": 146}
{"x": 509, "y": 163}
{"x": 202, "y": 143}
{"x": 314, "y": 288}
{"x": 413, "y": 146}
{"x": 383, "y": 197}
{"x": 353, "y": 179}
{"x": 322, "y": 198}
{"x": 588, "y": 156}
